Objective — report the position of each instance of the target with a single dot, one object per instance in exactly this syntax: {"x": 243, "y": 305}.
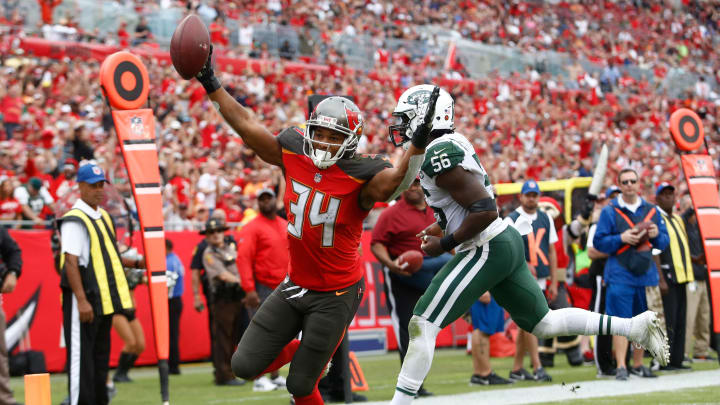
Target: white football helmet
{"x": 410, "y": 111}
{"x": 340, "y": 115}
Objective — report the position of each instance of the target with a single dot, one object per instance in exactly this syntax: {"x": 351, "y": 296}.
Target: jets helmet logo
{"x": 419, "y": 97}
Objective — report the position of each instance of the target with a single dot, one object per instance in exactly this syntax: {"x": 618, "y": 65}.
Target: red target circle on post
{"x": 124, "y": 80}
{"x": 687, "y": 129}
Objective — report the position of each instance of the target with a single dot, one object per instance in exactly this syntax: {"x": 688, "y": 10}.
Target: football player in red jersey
{"x": 330, "y": 190}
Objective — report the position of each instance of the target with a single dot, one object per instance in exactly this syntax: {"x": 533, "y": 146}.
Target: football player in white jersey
{"x": 490, "y": 255}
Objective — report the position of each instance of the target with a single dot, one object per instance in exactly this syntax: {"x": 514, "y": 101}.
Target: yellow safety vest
{"x": 104, "y": 274}
{"x": 679, "y": 249}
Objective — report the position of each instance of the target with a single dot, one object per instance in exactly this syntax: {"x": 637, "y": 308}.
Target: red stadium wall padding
{"x": 46, "y": 328}
{"x": 82, "y": 50}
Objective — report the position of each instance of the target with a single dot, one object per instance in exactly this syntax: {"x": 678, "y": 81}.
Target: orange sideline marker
{"x": 37, "y": 389}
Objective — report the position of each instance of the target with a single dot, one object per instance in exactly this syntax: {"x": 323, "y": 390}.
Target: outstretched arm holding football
{"x": 241, "y": 119}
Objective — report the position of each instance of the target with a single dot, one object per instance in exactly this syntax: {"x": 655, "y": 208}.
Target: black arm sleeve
{"x": 10, "y": 252}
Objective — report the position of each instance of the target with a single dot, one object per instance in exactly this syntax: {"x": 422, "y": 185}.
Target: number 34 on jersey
{"x": 316, "y": 214}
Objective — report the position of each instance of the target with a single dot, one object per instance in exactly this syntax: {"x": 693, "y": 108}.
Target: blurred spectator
{"x": 178, "y": 219}
{"x": 629, "y": 268}
{"x": 142, "y": 32}
{"x": 219, "y": 32}
{"x": 245, "y": 36}
{"x": 286, "y": 51}
{"x": 201, "y": 216}
{"x": 122, "y": 35}
{"x": 210, "y": 184}
{"x": 175, "y": 306}
{"x": 702, "y": 88}
{"x": 46, "y": 10}
{"x": 676, "y": 269}
{"x": 36, "y": 201}
{"x": 609, "y": 77}
{"x": 487, "y": 318}
{"x": 65, "y": 182}
{"x": 602, "y": 350}
{"x": 10, "y": 208}
{"x": 11, "y": 105}
{"x": 541, "y": 259}
{"x": 263, "y": 260}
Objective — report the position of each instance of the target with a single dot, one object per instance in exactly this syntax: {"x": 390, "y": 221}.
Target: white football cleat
{"x": 646, "y": 332}
{"x": 279, "y": 381}
{"x": 263, "y": 384}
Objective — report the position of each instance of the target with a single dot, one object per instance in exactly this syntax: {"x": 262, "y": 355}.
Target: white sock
{"x": 418, "y": 360}
{"x": 401, "y": 398}
{"x": 576, "y": 321}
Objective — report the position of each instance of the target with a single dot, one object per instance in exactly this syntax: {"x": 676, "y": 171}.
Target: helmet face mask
{"x": 400, "y": 130}
{"x": 410, "y": 111}
{"x": 320, "y": 152}
{"x": 341, "y": 116}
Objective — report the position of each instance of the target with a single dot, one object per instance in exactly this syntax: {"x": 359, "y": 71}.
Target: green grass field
{"x": 450, "y": 375}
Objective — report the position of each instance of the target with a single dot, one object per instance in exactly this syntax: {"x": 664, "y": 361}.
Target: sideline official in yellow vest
{"x": 676, "y": 268}
{"x": 94, "y": 288}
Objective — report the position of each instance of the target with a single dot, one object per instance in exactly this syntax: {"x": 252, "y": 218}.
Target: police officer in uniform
{"x": 93, "y": 288}
{"x": 230, "y": 317}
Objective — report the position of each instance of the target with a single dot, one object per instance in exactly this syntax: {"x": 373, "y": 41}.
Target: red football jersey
{"x": 324, "y": 215}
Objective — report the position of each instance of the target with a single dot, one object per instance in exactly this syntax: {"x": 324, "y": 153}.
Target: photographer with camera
{"x": 230, "y": 317}
{"x": 10, "y": 266}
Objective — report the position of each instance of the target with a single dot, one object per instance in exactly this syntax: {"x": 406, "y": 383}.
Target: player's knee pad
{"x": 544, "y": 328}
{"x": 299, "y": 385}
{"x": 242, "y": 365}
{"x": 421, "y": 327}
{"x": 422, "y": 334}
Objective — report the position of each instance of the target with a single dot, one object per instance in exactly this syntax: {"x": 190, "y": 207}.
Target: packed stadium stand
{"x": 539, "y": 86}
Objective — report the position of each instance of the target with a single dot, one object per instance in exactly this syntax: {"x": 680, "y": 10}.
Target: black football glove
{"x": 421, "y": 137}
{"x": 206, "y": 76}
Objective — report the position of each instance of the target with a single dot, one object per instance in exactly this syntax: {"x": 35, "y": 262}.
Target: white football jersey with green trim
{"x": 441, "y": 155}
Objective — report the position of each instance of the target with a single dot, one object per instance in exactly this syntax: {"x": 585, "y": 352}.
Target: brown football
{"x": 189, "y": 46}
{"x": 414, "y": 260}
{"x": 643, "y": 226}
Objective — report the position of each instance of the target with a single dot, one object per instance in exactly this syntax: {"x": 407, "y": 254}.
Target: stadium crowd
{"x": 526, "y": 125}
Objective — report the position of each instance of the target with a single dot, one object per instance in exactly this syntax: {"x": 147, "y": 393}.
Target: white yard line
{"x": 587, "y": 389}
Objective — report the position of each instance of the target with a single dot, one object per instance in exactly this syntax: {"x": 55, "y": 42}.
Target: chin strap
{"x": 414, "y": 165}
